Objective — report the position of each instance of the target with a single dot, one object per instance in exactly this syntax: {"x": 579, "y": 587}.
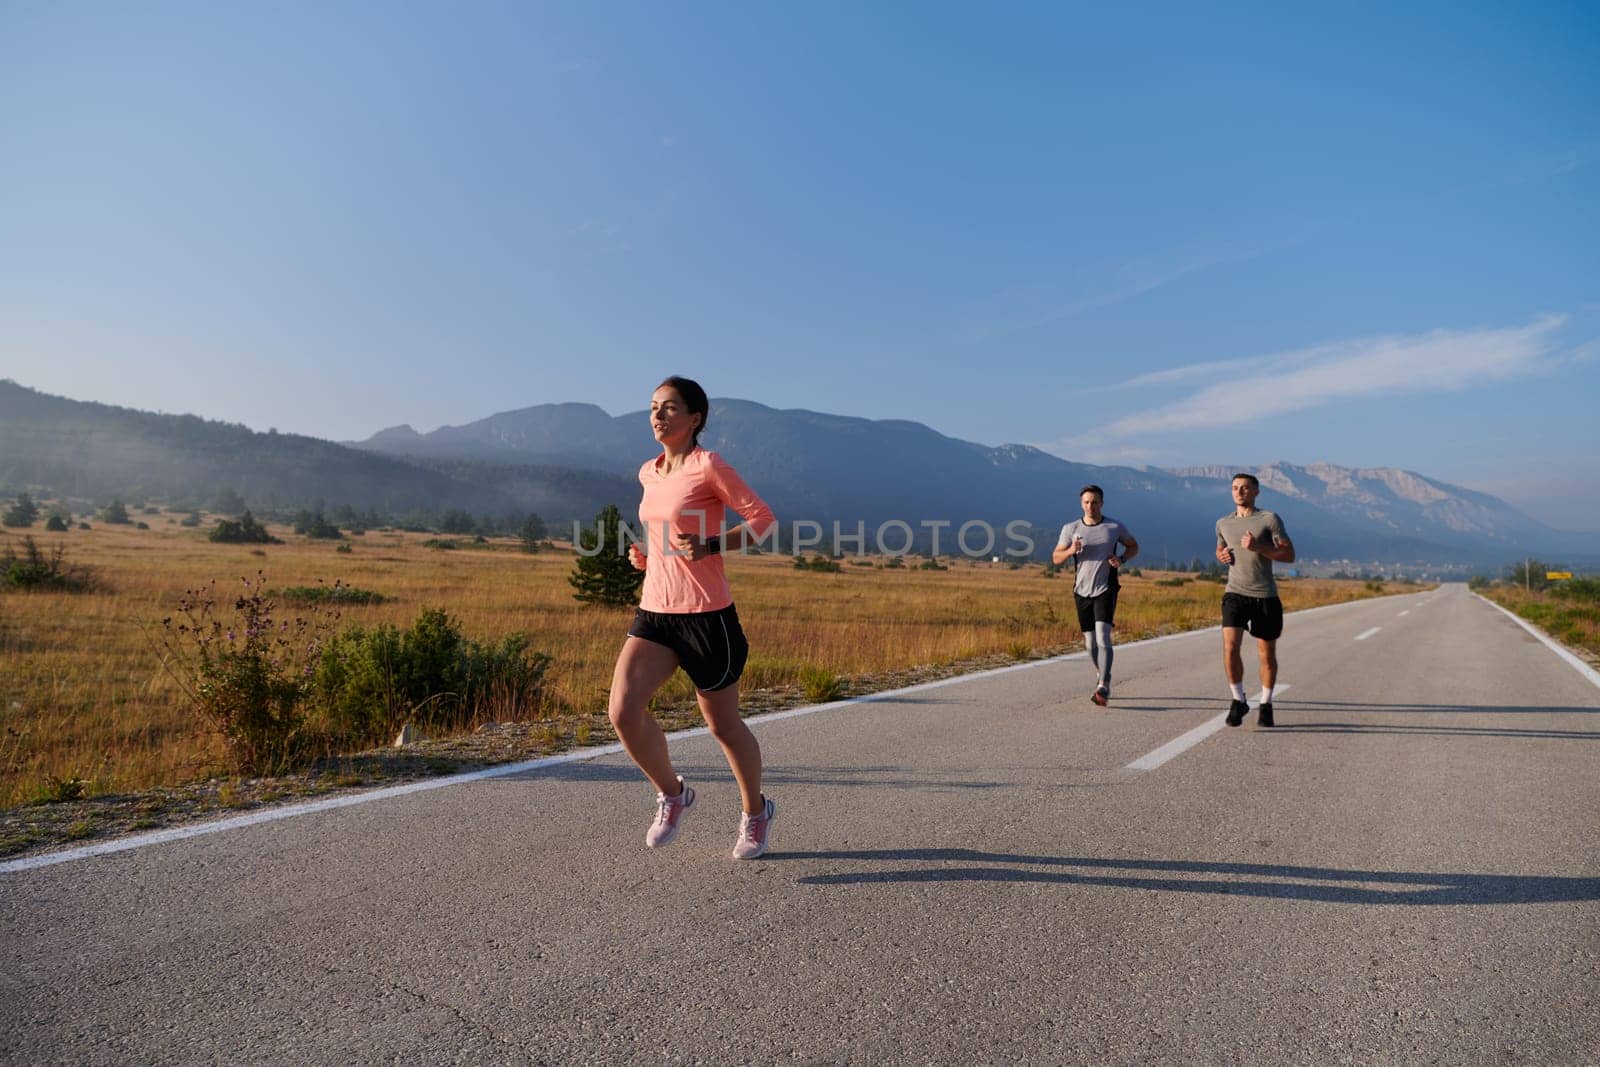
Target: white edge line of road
{"x": 1183, "y": 742}
{"x": 236, "y": 822}
{"x": 1555, "y": 646}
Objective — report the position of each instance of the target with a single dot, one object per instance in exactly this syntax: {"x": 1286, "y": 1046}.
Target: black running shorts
{"x": 1093, "y": 609}
{"x": 1261, "y": 615}
{"x": 711, "y": 646}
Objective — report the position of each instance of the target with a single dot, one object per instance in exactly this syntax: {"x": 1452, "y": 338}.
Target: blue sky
{"x": 1230, "y": 235}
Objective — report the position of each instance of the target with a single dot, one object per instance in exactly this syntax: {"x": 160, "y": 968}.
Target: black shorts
{"x": 1261, "y": 615}
{"x": 1093, "y": 609}
{"x": 710, "y": 645}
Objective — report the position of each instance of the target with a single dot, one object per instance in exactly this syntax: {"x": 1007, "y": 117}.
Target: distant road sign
{"x": 1553, "y": 575}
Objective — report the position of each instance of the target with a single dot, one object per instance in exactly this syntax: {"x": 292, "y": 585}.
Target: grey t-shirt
{"x": 1099, "y": 543}
{"x": 1251, "y": 573}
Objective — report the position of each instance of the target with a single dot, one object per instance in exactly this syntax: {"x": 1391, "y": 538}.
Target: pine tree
{"x": 605, "y": 575}
{"x": 533, "y": 531}
{"x": 116, "y": 513}
{"x": 22, "y": 513}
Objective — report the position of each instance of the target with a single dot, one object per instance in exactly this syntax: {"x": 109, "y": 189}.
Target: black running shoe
{"x": 1264, "y": 715}
{"x": 1237, "y": 711}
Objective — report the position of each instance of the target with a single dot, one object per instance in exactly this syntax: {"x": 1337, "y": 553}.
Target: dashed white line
{"x": 1403, "y": 614}
{"x": 1363, "y": 636}
{"x": 1183, "y": 742}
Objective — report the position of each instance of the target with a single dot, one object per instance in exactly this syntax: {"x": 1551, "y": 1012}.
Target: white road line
{"x": 1403, "y": 614}
{"x": 1368, "y": 633}
{"x": 1581, "y": 667}
{"x": 1183, "y": 742}
{"x": 178, "y": 833}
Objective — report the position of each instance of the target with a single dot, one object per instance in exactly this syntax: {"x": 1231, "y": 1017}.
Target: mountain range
{"x": 831, "y": 467}
{"x": 567, "y": 460}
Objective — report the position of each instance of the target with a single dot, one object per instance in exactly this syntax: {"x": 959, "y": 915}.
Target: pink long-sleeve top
{"x": 695, "y": 499}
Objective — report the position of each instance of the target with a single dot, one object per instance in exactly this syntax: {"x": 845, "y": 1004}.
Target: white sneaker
{"x": 669, "y": 816}
{"x": 754, "y": 830}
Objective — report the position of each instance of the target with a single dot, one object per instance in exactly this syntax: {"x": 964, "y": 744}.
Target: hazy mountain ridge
{"x": 823, "y": 467}
{"x": 566, "y": 461}
{"x": 97, "y": 451}
{"x": 1400, "y": 500}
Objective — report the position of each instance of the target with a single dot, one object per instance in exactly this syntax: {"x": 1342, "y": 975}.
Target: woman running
{"x": 686, "y": 616}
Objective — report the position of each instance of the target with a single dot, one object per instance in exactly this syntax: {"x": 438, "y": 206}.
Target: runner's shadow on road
{"x": 1165, "y": 703}
{"x": 696, "y": 773}
{"x": 1328, "y": 885}
{"x": 1446, "y": 731}
{"x": 1462, "y": 709}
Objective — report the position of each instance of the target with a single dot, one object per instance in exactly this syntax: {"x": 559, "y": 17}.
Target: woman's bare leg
{"x": 642, "y": 668}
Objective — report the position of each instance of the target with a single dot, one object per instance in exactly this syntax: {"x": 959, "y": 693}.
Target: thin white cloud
{"x": 1261, "y": 387}
{"x": 1109, "y": 287}
{"x": 1194, "y": 371}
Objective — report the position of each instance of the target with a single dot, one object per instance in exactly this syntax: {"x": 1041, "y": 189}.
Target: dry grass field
{"x": 83, "y": 693}
{"x": 1570, "y": 615}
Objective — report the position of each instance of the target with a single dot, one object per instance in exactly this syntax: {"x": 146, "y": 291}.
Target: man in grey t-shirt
{"x": 1091, "y": 543}
{"x": 1248, "y": 541}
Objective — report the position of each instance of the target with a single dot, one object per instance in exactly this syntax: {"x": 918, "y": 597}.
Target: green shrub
{"x": 246, "y": 531}
{"x": 1173, "y": 582}
{"x": 247, "y": 673}
{"x": 312, "y": 524}
{"x": 1579, "y": 589}
{"x": 191, "y": 519}
{"x": 440, "y": 543}
{"x": 819, "y": 563}
{"x": 116, "y": 514}
{"x": 371, "y": 681}
{"x": 337, "y": 593}
{"x": 34, "y": 569}
{"x": 56, "y": 524}
{"x": 55, "y": 790}
{"x": 820, "y": 684}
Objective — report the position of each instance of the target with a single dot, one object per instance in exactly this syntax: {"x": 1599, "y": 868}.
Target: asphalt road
{"x": 1406, "y": 870}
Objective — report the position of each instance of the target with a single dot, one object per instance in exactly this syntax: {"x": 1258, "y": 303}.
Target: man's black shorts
{"x": 711, "y": 646}
{"x": 1093, "y": 609}
{"x": 1262, "y": 616}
